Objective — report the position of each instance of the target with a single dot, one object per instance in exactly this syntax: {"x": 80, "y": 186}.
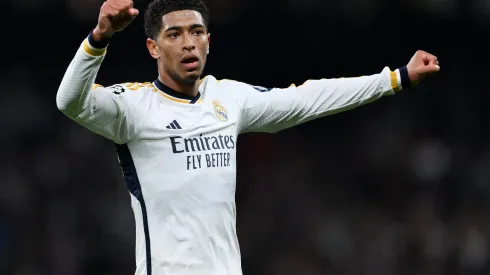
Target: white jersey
{"x": 178, "y": 153}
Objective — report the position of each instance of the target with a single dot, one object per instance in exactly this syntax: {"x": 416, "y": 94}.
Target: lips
{"x": 190, "y": 62}
{"x": 189, "y": 59}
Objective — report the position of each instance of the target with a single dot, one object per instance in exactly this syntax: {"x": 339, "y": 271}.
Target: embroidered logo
{"x": 220, "y": 111}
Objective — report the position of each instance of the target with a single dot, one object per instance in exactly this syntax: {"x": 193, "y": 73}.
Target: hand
{"x": 114, "y": 16}
{"x": 421, "y": 65}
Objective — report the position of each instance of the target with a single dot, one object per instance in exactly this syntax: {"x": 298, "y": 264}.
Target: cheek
{"x": 167, "y": 53}
{"x": 204, "y": 47}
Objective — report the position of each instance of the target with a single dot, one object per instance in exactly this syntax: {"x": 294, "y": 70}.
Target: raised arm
{"x": 272, "y": 110}
{"x": 102, "y": 110}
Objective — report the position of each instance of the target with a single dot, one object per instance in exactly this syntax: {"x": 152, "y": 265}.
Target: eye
{"x": 198, "y": 32}
{"x": 174, "y": 35}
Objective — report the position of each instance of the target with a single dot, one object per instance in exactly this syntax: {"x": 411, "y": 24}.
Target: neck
{"x": 189, "y": 89}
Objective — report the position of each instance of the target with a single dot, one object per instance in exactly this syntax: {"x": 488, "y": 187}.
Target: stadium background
{"x": 398, "y": 187}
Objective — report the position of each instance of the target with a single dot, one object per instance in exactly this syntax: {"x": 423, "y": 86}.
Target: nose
{"x": 188, "y": 43}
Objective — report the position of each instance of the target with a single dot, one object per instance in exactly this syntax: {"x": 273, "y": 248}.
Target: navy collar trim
{"x": 169, "y": 91}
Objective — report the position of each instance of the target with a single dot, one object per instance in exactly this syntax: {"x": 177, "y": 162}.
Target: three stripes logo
{"x": 174, "y": 125}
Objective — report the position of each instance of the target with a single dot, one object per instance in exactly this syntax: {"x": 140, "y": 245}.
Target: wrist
{"x": 99, "y": 39}
{"x": 95, "y": 44}
{"x": 405, "y": 78}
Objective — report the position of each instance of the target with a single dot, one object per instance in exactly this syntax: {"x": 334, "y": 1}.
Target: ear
{"x": 209, "y": 42}
{"x": 152, "y": 48}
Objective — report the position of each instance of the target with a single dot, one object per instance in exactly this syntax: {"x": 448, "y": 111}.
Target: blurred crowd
{"x": 397, "y": 187}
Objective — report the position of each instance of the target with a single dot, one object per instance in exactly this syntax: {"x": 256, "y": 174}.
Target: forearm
{"x": 74, "y": 91}
{"x": 330, "y": 96}
{"x": 283, "y": 108}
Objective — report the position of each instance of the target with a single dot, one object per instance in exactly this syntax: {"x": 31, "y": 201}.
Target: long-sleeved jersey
{"x": 178, "y": 153}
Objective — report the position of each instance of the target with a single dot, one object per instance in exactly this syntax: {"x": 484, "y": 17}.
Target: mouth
{"x": 190, "y": 62}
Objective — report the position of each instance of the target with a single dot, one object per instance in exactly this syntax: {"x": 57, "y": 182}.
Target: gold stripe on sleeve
{"x": 91, "y": 51}
{"x": 394, "y": 82}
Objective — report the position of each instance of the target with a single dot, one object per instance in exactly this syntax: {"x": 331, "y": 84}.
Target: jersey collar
{"x": 174, "y": 95}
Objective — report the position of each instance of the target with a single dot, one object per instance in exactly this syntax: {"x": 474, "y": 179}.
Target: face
{"x": 182, "y": 46}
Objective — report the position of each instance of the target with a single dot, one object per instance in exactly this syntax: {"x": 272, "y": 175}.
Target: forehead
{"x": 181, "y": 18}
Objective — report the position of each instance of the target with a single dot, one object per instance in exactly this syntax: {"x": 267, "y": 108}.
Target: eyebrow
{"x": 179, "y": 28}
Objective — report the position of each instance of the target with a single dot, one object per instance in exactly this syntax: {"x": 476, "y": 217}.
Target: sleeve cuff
{"x": 95, "y": 48}
{"x": 400, "y": 79}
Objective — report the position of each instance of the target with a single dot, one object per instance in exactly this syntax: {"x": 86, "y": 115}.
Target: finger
{"x": 432, "y": 61}
{"x": 118, "y": 3}
{"x": 108, "y": 10}
{"x": 433, "y": 68}
{"x": 424, "y": 55}
{"x": 429, "y": 57}
{"x": 122, "y": 5}
{"x": 120, "y": 9}
{"x": 133, "y": 12}
{"x": 130, "y": 14}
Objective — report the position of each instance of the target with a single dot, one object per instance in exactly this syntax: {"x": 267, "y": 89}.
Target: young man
{"x": 176, "y": 137}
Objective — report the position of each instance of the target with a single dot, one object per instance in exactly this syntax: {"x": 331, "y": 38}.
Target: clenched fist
{"x": 114, "y": 16}
{"x": 421, "y": 65}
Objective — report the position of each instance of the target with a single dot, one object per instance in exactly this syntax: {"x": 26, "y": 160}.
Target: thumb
{"x": 431, "y": 68}
{"x": 133, "y": 12}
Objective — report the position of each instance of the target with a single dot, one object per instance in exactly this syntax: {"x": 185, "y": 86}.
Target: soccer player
{"x": 176, "y": 136}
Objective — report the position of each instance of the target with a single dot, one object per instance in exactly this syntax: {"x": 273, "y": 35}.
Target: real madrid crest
{"x": 220, "y": 111}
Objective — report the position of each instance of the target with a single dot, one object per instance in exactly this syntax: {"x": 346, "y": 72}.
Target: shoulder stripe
{"x": 97, "y": 86}
{"x": 136, "y": 85}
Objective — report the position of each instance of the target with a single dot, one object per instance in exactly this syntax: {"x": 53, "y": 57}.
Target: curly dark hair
{"x": 158, "y": 8}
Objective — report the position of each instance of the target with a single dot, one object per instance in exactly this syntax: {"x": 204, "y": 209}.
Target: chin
{"x": 191, "y": 77}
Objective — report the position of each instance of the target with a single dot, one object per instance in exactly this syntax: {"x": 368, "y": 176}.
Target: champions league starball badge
{"x": 117, "y": 89}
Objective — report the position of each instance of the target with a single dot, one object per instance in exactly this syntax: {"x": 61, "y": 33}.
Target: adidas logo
{"x": 174, "y": 125}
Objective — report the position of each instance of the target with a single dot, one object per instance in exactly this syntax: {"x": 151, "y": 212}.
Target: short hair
{"x": 158, "y": 8}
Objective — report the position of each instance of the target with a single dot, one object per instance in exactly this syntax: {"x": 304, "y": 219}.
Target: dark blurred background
{"x": 397, "y": 187}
